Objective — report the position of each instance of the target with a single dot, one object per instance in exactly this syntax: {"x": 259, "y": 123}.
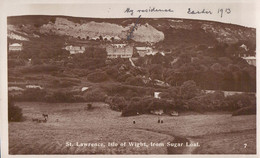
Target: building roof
{"x": 143, "y": 48}
{"x": 74, "y": 48}
{"x": 15, "y": 44}
{"x": 249, "y": 58}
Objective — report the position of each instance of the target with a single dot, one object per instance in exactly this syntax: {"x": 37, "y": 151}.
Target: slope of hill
{"x": 164, "y": 30}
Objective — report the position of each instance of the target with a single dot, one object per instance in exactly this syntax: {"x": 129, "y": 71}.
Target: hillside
{"x": 165, "y": 30}
{"x": 192, "y": 56}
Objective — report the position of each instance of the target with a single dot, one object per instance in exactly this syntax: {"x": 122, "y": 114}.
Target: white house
{"x": 251, "y": 60}
{"x": 157, "y": 95}
{"x": 33, "y": 86}
{"x": 142, "y": 51}
{"x": 15, "y": 47}
{"x": 244, "y": 47}
{"x": 119, "y": 51}
{"x": 75, "y": 49}
{"x": 14, "y": 88}
{"x": 157, "y": 112}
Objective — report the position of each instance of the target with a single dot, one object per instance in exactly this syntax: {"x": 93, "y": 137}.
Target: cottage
{"x": 84, "y": 89}
{"x": 33, "y": 87}
{"x": 119, "y": 51}
{"x": 157, "y": 112}
{"x": 244, "y": 47}
{"x": 75, "y": 49}
{"x": 142, "y": 51}
{"x": 157, "y": 95}
{"x": 15, "y": 47}
{"x": 14, "y": 88}
{"x": 251, "y": 60}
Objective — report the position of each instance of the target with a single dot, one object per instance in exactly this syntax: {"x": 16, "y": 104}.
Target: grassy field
{"x": 216, "y": 133}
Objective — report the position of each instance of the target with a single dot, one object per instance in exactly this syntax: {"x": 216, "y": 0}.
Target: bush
{"x": 14, "y": 112}
{"x": 250, "y": 110}
{"x": 117, "y": 103}
{"x": 64, "y": 97}
{"x": 138, "y": 105}
{"x": 97, "y": 77}
{"x": 95, "y": 96}
{"x": 40, "y": 69}
{"x": 238, "y": 101}
{"x": 206, "y": 102}
{"x": 136, "y": 81}
{"x": 32, "y": 94}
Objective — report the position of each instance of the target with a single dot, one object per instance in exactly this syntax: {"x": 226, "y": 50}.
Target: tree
{"x": 14, "y": 112}
{"x": 189, "y": 90}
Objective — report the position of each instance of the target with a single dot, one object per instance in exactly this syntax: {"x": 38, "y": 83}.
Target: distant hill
{"x": 167, "y": 32}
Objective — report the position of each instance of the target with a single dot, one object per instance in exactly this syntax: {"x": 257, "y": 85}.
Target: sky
{"x": 235, "y": 12}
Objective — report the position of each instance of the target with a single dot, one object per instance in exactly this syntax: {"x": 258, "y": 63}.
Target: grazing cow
{"x": 44, "y": 121}
{"x": 161, "y": 121}
{"x": 133, "y": 122}
{"x": 35, "y": 120}
{"x": 39, "y": 121}
{"x": 45, "y": 115}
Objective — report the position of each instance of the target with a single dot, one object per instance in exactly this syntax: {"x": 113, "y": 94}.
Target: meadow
{"x": 216, "y": 133}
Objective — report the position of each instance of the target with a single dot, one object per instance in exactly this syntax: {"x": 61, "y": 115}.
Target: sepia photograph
{"x": 131, "y": 79}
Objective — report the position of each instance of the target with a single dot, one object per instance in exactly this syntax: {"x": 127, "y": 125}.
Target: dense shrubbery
{"x": 249, "y": 110}
{"x": 97, "y": 77}
{"x": 116, "y": 103}
{"x": 144, "y": 105}
{"x": 15, "y": 63}
{"x": 31, "y": 94}
{"x": 206, "y": 102}
{"x": 94, "y": 96}
{"x": 40, "y": 69}
{"x": 14, "y": 112}
{"x": 127, "y": 91}
{"x": 136, "y": 81}
{"x": 188, "y": 97}
{"x": 238, "y": 101}
{"x": 63, "y": 97}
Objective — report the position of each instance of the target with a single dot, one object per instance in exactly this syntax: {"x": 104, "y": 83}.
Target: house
{"x": 244, "y": 47}
{"x": 229, "y": 93}
{"x": 15, "y": 47}
{"x": 119, "y": 51}
{"x": 251, "y": 60}
{"x": 142, "y": 51}
{"x": 157, "y": 112}
{"x": 157, "y": 95}
{"x": 75, "y": 49}
{"x": 84, "y": 89}
{"x": 33, "y": 87}
{"x": 14, "y": 88}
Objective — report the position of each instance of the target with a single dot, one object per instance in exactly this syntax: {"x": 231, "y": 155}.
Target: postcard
{"x": 152, "y": 78}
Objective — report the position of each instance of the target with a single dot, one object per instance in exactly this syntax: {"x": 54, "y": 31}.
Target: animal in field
{"x": 44, "y": 121}
{"x": 35, "y": 120}
{"x": 45, "y": 115}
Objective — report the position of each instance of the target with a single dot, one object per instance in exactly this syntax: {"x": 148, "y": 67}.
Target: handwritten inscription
{"x": 203, "y": 11}
{"x": 190, "y": 11}
{"x": 148, "y": 10}
{"x": 224, "y": 11}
